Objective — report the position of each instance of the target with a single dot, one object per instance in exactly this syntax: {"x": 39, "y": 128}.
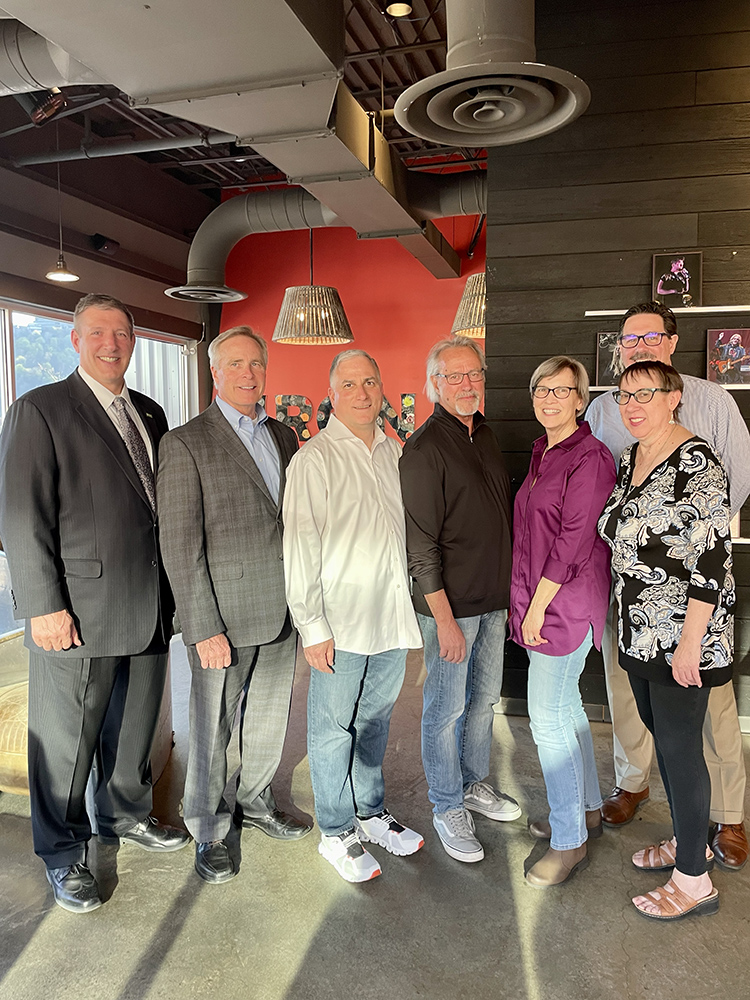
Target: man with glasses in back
{"x": 457, "y": 499}
{"x": 649, "y": 332}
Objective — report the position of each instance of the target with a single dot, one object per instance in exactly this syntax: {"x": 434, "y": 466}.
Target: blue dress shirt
{"x": 257, "y": 438}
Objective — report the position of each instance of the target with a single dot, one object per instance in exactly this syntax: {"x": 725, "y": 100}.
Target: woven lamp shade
{"x": 469, "y": 321}
{"x": 312, "y": 314}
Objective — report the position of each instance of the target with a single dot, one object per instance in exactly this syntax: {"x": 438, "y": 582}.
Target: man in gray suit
{"x": 220, "y": 486}
{"x": 78, "y": 521}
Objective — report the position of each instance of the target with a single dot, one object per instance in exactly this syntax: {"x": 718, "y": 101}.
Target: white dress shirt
{"x": 345, "y": 544}
{"x": 106, "y": 398}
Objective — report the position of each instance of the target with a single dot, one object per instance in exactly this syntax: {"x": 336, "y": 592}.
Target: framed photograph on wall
{"x": 677, "y": 279}
{"x": 608, "y": 365}
{"x": 728, "y": 354}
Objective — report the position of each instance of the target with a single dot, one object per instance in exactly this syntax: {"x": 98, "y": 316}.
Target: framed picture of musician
{"x": 608, "y": 364}
{"x": 729, "y": 357}
{"x": 677, "y": 279}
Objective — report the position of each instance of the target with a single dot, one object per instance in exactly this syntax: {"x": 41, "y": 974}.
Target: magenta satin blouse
{"x": 555, "y": 536}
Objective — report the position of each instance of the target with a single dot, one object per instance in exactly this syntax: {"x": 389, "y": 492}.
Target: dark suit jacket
{"x": 221, "y": 531}
{"x": 75, "y": 522}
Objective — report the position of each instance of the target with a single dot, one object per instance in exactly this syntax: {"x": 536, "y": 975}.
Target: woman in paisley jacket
{"x": 667, "y": 523}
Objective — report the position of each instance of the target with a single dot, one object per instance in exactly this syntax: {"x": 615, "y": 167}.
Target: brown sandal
{"x": 661, "y": 857}
{"x": 674, "y": 904}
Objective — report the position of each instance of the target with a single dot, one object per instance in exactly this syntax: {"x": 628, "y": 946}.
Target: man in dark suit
{"x": 78, "y": 522}
{"x": 220, "y": 489}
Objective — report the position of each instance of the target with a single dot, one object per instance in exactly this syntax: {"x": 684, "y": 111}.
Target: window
{"x": 36, "y": 350}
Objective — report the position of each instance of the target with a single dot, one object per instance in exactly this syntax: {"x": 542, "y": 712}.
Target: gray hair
{"x": 346, "y": 356}
{"x": 95, "y": 300}
{"x": 237, "y": 331}
{"x": 561, "y": 362}
{"x": 433, "y": 360}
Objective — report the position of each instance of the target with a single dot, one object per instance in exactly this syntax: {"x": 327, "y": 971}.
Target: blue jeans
{"x": 563, "y": 739}
{"x": 348, "y": 718}
{"x": 457, "y": 710}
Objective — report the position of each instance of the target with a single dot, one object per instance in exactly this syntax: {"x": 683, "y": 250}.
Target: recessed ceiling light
{"x": 398, "y": 9}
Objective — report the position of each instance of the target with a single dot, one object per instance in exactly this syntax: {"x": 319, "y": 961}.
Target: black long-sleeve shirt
{"x": 457, "y": 499}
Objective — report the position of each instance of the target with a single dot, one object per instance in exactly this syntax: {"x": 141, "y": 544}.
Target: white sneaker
{"x": 456, "y": 831}
{"x": 483, "y": 798}
{"x": 349, "y": 857}
{"x": 384, "y": 831}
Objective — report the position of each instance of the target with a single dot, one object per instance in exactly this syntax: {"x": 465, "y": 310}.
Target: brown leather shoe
{"x": 557, "y": 867}
{"x": 730, "y": 846}
{"x": 541, "y": 830}
{"x": 620, "y": 806}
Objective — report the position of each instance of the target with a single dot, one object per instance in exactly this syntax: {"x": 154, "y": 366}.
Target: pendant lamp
{"x": 469, "y": 321}
{"x": 312, "y": 314}
{"x": 61, "y": 271}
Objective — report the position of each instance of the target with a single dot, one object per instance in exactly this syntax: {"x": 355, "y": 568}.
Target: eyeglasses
{"x": 561, "y": 391}
{"x": 640, "y": 395}
{"x": 456, "y": 378}
{"x": 652, "y": 339}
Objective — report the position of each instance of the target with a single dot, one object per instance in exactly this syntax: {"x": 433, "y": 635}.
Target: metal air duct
{"x": 28, "y": 62}
{"x": 257, "y": 212}
{"x": 493, "y": 92}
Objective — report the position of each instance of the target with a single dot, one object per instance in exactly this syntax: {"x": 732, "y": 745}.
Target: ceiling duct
{"x": 28, "y": 62}
{"x": 492, "y": 92}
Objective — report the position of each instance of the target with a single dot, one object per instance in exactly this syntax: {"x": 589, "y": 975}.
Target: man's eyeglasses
{"x": 652, "y": 339}
{"x": 561, "y": 391}
{"x": 640, "y": 395}
{"x": 456, "y": 378}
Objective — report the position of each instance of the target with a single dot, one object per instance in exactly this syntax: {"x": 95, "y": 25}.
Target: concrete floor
{"x": 289, "y": 927}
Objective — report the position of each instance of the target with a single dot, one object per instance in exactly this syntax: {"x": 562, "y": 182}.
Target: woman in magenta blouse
{"x": 559, "y": 596}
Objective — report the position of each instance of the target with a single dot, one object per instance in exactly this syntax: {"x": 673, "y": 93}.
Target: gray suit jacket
{"x": 221, "y": 531}
{"x": 75, "y": 522}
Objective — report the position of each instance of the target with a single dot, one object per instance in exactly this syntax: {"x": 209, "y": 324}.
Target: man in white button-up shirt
{"x": 348, "y": 591}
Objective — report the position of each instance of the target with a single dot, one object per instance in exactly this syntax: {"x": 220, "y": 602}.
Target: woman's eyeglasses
{"x": 640, "y": 395}
{"x": 561, "y": 391}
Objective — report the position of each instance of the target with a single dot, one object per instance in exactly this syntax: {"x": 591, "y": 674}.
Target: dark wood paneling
{"x": 540, "y": 238}
{"x": 668, "y": 90}
{"x": 696, "y": 17}
{"x": 725, "y": 86}
{"x": 611, "y": 201}
{"x": 542, "y": 340}
{"x": 726, "y": 229}
{"x": 527, "y": 169}
{"x": 519, "y": 306}
{"x": 648, "y": 57}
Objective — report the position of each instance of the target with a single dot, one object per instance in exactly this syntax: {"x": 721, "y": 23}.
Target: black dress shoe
{"x": 75, "y": 888}
{"x": 213, "y": 862}
{"x": 274, "y": 823}
{"x": 153, "y": 836}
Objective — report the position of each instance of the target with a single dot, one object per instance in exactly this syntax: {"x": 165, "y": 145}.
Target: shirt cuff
{"x": 708, "y": 595}
{"x": 315, "y": 632}
{"x": 558, "y": 572}
{"x": 429, "y": 583}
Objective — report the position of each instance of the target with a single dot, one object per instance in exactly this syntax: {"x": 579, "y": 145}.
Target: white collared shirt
{"x": 106, "y": 398}
{"x": 345, "y": 544}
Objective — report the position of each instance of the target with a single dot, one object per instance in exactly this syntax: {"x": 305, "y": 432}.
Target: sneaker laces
{"x": 460, "y": 823}
{"x": 481, "y": 788}
{"x": 393, "y": 825}
{"x": 351, "y": 842}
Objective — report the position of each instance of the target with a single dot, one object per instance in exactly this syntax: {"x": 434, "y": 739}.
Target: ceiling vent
{"x": 493, "y": 92}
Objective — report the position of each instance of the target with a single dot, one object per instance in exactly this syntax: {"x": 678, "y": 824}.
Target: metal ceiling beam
{"x": 394, "y": 50}
{"x": 125, "y": 148}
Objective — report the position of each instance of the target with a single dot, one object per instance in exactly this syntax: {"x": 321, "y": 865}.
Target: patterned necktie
{"x": 136, "y": 447}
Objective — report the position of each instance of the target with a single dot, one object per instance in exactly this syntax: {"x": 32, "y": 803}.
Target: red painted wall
{"x": 396, "y": 308}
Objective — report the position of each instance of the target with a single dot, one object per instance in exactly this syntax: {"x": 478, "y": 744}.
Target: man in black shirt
{"x": 457, "y": 499}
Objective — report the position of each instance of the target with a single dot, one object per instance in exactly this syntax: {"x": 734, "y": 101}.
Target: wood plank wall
{"x": 658, "y": 163}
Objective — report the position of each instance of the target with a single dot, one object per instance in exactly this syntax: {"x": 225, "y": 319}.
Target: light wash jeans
{"x": 348, "y": 718}
{"x": 563, "y": 739}
{"x": 457, "y": 710}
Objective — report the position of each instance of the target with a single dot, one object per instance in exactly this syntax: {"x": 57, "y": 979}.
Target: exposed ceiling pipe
{"x": 29, "y": 62}
{"x": 438, "y": 196}
{"x": 492, "y": 92}
{"x": 258, "y": 212}
{"x": 127, "y": 148}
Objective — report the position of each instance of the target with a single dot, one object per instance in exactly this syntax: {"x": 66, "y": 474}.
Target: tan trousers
{"x": 634, "y": 746}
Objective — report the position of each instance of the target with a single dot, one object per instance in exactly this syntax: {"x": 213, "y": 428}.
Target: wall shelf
{"x": 695, "y": 310}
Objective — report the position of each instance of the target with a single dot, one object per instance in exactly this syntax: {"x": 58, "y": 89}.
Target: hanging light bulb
{"x": 312, "y": 314}
{"x": 398, "y": 9}
{"x": 61, "y": 271}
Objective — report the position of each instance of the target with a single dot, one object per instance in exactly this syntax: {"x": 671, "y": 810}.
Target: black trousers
{"x": 80, "y": 710}
{"x": 674, "y": 717}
